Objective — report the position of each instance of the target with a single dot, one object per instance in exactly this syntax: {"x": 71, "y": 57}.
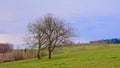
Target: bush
{"x": 7, "y": 57}
{"x": 44, "y": 53}
{"x": 18, "y": 55}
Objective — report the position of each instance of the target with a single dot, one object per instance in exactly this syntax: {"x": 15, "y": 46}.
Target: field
{"x": 97, "y": 56}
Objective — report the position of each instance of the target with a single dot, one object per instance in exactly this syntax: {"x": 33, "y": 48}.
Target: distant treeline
{"x": 107, "y": 41}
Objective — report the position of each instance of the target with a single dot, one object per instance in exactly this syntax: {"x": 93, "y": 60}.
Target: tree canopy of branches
{"x": 48, "y": 32}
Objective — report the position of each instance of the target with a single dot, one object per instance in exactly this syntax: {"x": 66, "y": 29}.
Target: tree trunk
{"x": 49, "y": 56}
{"x": 49, "y": 51}
{"x": 38, "y": 54}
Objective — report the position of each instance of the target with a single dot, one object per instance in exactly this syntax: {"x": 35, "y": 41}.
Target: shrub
{"x": 44, "y": 53}
{"x": 18, "y": 55}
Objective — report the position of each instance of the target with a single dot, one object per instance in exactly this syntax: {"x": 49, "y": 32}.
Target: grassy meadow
{"x": 93, "y": 56}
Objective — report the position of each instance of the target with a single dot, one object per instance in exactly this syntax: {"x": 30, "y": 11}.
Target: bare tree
{"x": 36, "y": 37}
{"x": 57, "y": 32}
{"x": 5, "y": 48}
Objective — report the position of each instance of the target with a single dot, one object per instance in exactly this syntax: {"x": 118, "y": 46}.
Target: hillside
{"x": 75, "y": 57}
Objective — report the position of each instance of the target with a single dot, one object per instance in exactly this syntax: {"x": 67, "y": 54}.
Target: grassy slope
{"x": 75, "y": 57}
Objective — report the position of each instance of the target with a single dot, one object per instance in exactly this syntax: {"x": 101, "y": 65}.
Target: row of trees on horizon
{"x": 107, "y": 41}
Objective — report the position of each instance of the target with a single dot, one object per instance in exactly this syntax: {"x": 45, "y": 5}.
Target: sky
{"x": 90, "y": 19}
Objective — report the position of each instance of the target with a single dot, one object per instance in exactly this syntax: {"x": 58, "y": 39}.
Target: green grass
{"x": 75, "y": 57}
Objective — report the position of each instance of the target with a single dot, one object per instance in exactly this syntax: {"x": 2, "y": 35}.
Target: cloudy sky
{"x": 91, "y": 19}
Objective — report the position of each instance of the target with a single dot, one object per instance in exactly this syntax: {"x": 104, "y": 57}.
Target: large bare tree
{"x": 56, "y": 31}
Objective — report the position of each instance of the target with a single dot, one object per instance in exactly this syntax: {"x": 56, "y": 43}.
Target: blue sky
{"x": 91, "y": 19}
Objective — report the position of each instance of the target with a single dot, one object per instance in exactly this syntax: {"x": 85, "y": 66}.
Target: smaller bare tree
{"x": 36, "y": 37}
